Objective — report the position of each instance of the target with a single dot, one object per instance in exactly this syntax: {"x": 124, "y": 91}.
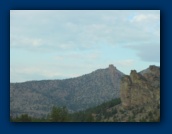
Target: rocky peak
{"x": 136, "y": 77}
{"x": 153, "y": 67}
{"x": 112, "y": 67}
{"x": 155, "y": 70}
{"x": 152, "y": 74}
{"x": 133, "y": 72}
{"x": 112, "y": 70}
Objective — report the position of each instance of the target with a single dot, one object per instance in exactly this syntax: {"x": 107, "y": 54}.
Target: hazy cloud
{"x": 68, "y": 43}
{"x": 148, "y": 52}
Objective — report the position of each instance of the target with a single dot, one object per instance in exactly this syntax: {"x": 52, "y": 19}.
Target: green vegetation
{"x": 106, "y": 112}
{"x": 61, "y": 114}
{"x": 22, "y": 118}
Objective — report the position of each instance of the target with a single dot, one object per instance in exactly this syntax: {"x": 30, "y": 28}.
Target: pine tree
{"x": 59, "y": 114}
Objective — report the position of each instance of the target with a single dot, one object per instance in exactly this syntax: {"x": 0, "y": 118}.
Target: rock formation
{"x": 141, "y": 88}
{"x": 140, "y": 98}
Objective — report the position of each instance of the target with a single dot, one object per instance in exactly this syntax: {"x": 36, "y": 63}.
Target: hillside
{"x": 36, "y": 98}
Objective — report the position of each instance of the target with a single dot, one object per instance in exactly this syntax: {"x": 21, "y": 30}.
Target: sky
{"x": 59, "y": 44}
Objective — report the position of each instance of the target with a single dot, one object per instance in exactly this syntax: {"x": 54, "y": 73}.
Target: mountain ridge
{"x": 75, "y": 93}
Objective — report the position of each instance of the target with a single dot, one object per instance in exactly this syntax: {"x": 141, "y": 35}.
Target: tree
{"x": 21, "y": 118}
{"x": 89, "y": 118}
{"x": 59, "y": 114}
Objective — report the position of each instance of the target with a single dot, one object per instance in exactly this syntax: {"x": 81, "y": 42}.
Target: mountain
{"x": 138, "y": 101}
{"x": 36, "y": 98}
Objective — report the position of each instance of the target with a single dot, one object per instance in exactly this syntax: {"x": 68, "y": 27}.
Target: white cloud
{"x": 25, "y": 42}
{"x": 145, "y": 17}
{"x": 147, "y": 52}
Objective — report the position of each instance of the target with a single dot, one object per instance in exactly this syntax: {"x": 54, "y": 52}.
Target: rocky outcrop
{"x": 152, "y": 74}
{"x": 140, "y": 97}
{"x": 141, "y": 88}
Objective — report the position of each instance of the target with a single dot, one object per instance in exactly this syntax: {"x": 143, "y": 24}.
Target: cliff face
{"x": 141, "y": 88}
{"x": 140, "y": 98}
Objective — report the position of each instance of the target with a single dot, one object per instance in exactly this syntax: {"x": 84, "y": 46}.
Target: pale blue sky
{"x": 58, "y": 44}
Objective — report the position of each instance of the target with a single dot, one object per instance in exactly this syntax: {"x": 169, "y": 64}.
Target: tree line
{"x": 61, "y": 114}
